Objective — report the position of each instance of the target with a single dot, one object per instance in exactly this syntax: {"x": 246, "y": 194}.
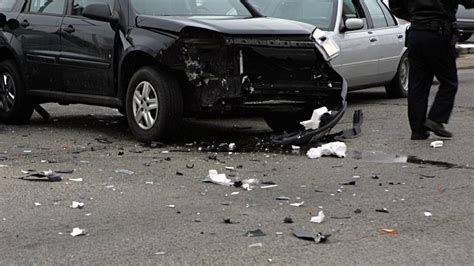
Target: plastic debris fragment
{"x": 437, "y": 144}
{"x": 123, "y": 171}
{"x": 255, "y": 233}
{"x": 318, "y": 219}
{"x": 315, "y": 120}
{"x": 256, "y": 245}
{"x": 338, "y": 149}
{"x": 220, "y": 179}
{"x": 288, "y": 220}
{"x": 78, "y": 232}
{"x": 77, "y": 205}
{"x": 298, "y": 204}
{"x": 316, "y": 237}
{"x": 428, "y": 214}
{"x": 391, "y": 231}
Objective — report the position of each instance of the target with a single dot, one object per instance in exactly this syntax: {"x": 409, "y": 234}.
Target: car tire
{"x": 154, "y": 105}
{"x": 465, "y": 36}
{"x": 15, "y": 107}
{"x": 398, "y": 87}
{"x": 286, "y": 122}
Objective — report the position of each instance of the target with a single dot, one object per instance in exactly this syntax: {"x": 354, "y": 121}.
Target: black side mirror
{"x": 3, "y": 20}
{"x": 99, "y": 12}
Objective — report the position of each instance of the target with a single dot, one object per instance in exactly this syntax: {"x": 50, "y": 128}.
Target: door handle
{"x": 69, "y": 29}
{"x": 25, "y": 23}
{"x": 400, "y": 36}
{"x": 373, "y": 39}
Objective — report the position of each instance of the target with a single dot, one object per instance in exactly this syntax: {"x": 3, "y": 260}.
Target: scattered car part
{"x": 316, "y": 237}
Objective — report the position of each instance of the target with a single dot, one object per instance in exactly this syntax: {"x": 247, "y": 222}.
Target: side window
{"x": 378, "y": 17}
{"x": 350, "y": 9}
{"x": 79, "y": 5}
{"x": 48, "y": 6}
{"x": 390, "y": 18}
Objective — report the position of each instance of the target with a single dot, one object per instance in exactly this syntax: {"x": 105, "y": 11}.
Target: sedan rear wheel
{"x": 398, "y": 87}
{"x": 154, "y": 105}
{"x": 15, "y": 107}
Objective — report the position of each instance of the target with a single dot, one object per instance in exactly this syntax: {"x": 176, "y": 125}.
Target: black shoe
{"x": 437, "y": 128}
{"x": 420, "y": 136}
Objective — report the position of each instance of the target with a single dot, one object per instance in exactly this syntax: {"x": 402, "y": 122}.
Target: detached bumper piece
{"x": 322, "y": 133}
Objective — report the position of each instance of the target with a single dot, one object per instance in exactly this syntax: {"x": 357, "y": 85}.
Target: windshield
{"x": 320, "y": 13}
{"x": 7, "y": 5}
{"x": 190, "y": 7}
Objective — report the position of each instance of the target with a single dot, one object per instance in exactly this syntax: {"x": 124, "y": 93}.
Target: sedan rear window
{"x": 7, "y": 5}
{"x": 190, "y": 7}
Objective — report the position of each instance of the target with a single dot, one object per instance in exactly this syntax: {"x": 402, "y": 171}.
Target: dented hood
{"x": 226, "y": 25}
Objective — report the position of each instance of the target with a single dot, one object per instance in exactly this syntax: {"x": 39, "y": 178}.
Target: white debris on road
{"x": 298, "y": 204}
{"x": 76, "y": 179}
{"x": 37, "y": 204}
{"x": 77, "y": 205}
{"x": 220, "y": 179}
{"x": 428, "y": 214}
{"x": 318, "y": 219}
{"x": 338, "y": 149}
{"x": 437, "y": 144}
{"x": 315, "y": 120}
{"x": 78, "y": 232}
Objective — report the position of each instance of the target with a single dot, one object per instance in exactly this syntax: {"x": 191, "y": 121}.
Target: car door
{"x": 390, "y": 40}
{"x": 87, "y": 52}
{"x": 358, "y": 62}
{"x": 39, "y": 38}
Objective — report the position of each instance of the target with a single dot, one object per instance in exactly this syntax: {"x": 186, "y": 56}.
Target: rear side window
{"x": 378, "y": 17}
{"x": 390, "y": 18}
{"x": 7, "y": 5}
{"x": 79, "y": 5}
{"x": 48, "y": 6}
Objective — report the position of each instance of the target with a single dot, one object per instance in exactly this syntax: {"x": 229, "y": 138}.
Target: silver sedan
{"x": 371, "y": 39}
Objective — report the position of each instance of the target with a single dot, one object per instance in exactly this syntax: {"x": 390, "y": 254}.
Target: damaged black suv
{"x": 159, "y": 60}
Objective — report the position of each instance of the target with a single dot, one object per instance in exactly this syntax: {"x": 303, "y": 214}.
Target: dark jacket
{"x": 426, "y": 11}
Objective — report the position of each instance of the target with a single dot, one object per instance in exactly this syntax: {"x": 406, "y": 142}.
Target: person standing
{"x": 431, "y": 41}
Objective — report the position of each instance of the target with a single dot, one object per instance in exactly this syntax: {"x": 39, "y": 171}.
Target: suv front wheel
{"x": 15, "y": 107}
{"x": 154, "y": 105}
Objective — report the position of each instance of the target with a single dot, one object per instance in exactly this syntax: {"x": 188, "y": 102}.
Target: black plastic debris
{"x": 103, "y": 141}
{"x": 42, "y": 112}
{"x": 255, "y": 233}
{"x": 268, "y": 183}
{"x": 282, "y": 198}
{"x": 190, "y": 166}
{"x": 375, "y": 177}
{"x": 358, "y": 211}
{"x": 322, "y": 133}
{"x": 238, "y": 184}
{"x": 316, "y": 237}
{"x": 288, "y": 220}
{"x": 382, "y": 210}
{"x": 351, "y": 183}
{"x": 179, "y": 174}
{"x": 49, "y": 176}
{"x": 229, "y": 221}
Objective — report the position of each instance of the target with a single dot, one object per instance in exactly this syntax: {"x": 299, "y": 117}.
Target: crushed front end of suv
{"x": 159, "y": 61}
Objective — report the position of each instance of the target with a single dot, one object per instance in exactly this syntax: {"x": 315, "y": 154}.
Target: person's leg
{"x": 420, "y": 81}
{"x": 445, "y": 70}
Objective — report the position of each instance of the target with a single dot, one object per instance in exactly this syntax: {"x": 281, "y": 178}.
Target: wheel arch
{"x": 131, "y": 62}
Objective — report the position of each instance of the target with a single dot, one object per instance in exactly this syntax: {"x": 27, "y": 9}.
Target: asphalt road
{"x": 132, "y": 222}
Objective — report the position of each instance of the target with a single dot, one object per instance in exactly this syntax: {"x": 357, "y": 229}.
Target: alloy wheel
{"x": 145, "y": 105}
{"x": 404, "y": 74}
{"x": 7, "y": 92}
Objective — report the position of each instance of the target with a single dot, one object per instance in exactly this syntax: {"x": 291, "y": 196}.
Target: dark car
{"x": 159, "y": 60}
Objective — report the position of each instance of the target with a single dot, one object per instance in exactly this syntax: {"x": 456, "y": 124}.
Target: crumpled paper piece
{"x": 338, "y": 149}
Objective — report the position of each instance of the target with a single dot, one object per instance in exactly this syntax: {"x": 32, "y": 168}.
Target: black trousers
{"x": 430, "y": 54}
